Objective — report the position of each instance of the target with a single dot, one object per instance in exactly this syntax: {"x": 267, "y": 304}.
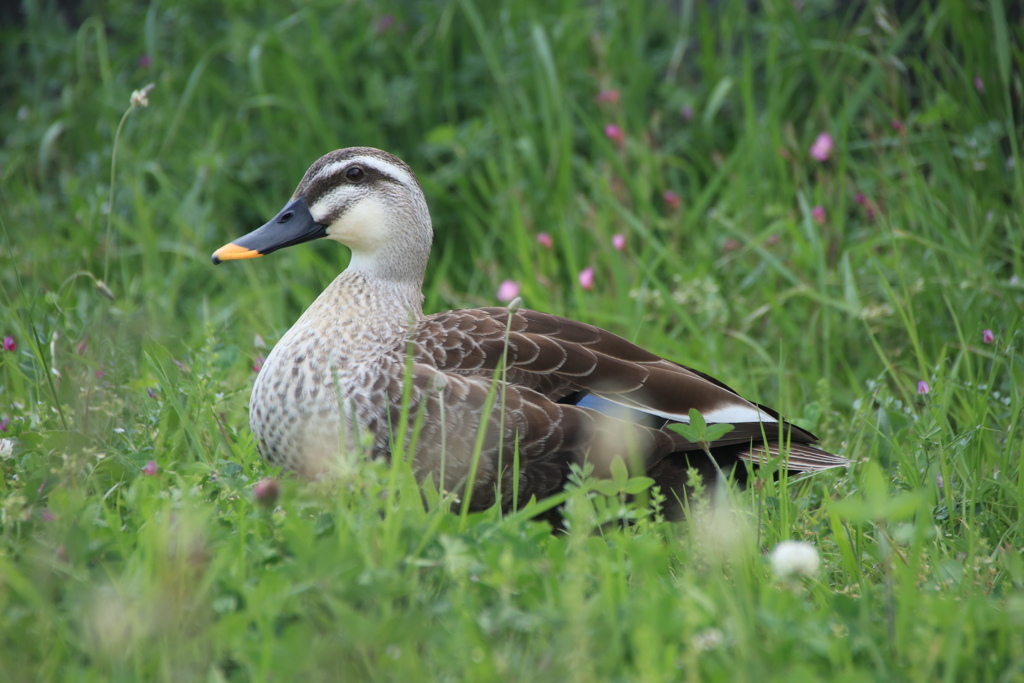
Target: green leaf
{"x": 716, "y": 100}
{"x": 698, "y": 422}
{"x": 717, "y": 431}
{"x": 607, "y": 487}
{"x": 637, "y": 485}
{"x": 619, "y": 472}
{"x": 685, "y": 431}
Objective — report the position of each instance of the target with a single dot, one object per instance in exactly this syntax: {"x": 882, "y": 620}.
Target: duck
{"x": 495, "y": 405}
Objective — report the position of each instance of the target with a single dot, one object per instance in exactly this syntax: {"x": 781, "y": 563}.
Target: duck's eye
{"x": 355, "y": 174}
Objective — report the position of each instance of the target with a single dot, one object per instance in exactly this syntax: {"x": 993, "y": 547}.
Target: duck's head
{"x": 365, "y": 198}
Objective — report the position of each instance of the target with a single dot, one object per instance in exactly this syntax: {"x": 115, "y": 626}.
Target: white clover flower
{"x": 140, "y": 98}
{"x": 793, "y": 559}
{"x": 709, "y": 639}
{"x": 6, "y": 448}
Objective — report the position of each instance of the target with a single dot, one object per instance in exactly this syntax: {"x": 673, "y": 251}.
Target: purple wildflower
{"x": 587, "y": 278}
{"x": 266, "y": 492}
{"x": 615, "y": 134}
{"x": 822, "y": 147}
{"x": 384, "y": 24}
{"x": 508, "y": 290}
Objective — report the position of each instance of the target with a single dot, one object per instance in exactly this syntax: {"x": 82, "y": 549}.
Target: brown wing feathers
{"x": 552, "y": 359}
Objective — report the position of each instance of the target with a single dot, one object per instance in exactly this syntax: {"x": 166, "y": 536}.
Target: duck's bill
{"x": 294, "y": 224}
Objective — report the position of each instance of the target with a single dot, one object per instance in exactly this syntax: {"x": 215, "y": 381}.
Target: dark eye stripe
{"x": 331, "y": 172}
{"x": 325, "y": 184}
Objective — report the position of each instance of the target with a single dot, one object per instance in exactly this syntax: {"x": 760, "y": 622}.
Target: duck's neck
{"x": 394, "y": 250}
{"x": 365, "y": 312}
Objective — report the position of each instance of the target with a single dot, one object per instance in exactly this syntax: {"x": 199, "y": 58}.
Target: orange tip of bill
{"x": 233, "y": 252}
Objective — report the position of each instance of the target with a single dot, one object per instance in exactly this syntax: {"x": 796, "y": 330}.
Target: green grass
{"x": 109, "y": 574}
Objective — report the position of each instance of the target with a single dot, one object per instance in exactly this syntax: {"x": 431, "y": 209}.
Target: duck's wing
{"x": 465, "y": 426}
{"x": 569, "y": 363}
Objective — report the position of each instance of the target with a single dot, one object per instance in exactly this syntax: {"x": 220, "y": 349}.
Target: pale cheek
{"x": 362, "y": 227}
{"x": 353, "y": 237}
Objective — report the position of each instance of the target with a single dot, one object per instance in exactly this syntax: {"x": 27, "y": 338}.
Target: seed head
{"x": 794, "y": 559}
